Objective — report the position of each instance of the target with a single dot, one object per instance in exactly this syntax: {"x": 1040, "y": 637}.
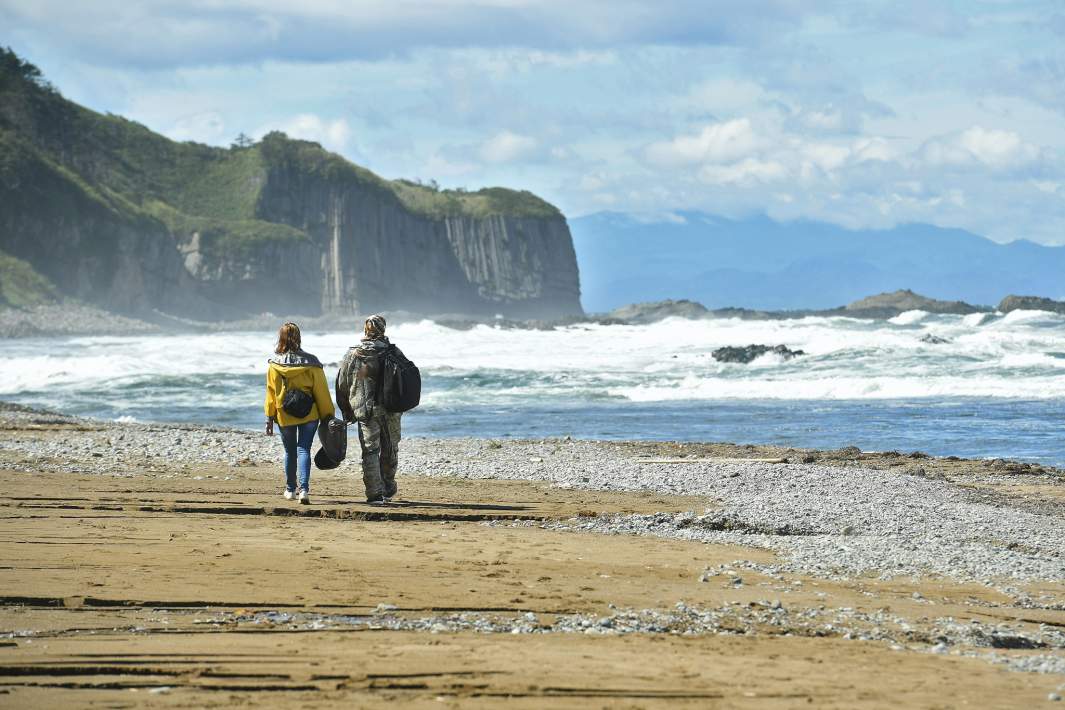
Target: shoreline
{"x": 934, "y": 465}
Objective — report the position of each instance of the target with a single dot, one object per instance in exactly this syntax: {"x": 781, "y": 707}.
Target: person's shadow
{"x": 454, "y": 506}
{"x": 425, "y": 504}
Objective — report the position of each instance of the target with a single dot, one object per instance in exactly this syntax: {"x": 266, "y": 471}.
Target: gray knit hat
{"x": 375, "y": 326}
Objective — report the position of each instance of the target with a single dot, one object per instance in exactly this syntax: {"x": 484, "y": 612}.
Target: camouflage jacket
{"x": 357, "y": 381}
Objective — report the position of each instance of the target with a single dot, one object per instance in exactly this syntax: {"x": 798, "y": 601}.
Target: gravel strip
{"x": 822, "y": 519}
{"x": 1007, "y": 644}
{"x": 1021, "y": 649}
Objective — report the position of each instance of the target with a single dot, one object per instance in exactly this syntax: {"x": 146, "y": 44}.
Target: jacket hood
{"x": 372, "y": 347}
{"x": 295, "y": 358}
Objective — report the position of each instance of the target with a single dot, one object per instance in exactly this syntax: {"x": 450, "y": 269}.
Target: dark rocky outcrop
{"x": 879, "y": 307}
{"x": 934, "y": 339}
{"x": 658, "y": 310}
{"x": 128, "y": 220}
{"x": 889, "y": 305}
{"x": 749, "y": 353}
{"x": 1031, "y": 303}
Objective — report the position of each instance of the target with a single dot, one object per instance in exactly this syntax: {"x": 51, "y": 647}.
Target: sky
{"x": 864, "y": 114}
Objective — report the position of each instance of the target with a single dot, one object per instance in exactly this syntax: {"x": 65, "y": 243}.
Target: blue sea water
{"x": 995, "y": 389}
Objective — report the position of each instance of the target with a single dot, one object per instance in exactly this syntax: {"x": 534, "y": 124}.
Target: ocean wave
{"x": 975, "y": 320}
{"x": 1034, "y": 317}
{"x": 985, "y": 355}
{"x": 1033, "y": 360}
{"x": 909, "y": 317}
{"x": 845, "y": 388}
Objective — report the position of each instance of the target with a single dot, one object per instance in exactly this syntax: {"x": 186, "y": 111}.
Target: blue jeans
{"x": 297, "y": 440}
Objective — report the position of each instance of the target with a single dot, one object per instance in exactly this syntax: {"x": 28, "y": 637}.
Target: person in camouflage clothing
{"x": 358, "y": 397}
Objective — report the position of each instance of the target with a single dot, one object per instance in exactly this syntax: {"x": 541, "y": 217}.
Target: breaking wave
{"x": 552, "y": 380}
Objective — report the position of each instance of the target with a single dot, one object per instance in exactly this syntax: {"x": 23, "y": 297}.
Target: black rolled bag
{"x": 333, "y": 435}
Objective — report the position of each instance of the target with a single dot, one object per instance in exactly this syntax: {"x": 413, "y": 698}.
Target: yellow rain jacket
{"x": 302, "y": 371}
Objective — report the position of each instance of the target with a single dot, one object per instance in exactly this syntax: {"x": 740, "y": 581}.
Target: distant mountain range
{"x": 758, "y": 263}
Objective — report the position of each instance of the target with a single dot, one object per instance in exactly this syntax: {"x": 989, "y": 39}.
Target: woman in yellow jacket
{"x": 293, "y": 369}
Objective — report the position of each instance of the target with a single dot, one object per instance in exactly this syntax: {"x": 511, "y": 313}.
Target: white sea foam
{"x": 1033, "y": 360}
{"x": 844, "y": 388}
{"x": 1022, "y": 316}
{"x": 909, "y": 317}
{"x": 977, "y": 319}
{"x": 985, "y": 356}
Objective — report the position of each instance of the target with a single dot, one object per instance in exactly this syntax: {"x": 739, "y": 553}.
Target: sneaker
{"x": 289, "y": 495}
{"x": 379, "y": 500}
{"x": 305, "y": 498}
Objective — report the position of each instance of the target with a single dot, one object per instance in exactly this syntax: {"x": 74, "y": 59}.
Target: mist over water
{"x": 996, "y": 388}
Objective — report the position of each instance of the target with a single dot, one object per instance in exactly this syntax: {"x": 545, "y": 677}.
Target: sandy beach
{"x": 156, "y": 565}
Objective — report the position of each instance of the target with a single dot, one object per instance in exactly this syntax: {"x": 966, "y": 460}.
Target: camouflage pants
{"x": 379, "y": 439}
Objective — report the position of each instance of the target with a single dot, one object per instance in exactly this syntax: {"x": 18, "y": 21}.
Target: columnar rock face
{"x": 376, "y": 254}
{"x": 373, "y": 253}
{"x": 523, "y": 265}
{"x": 120, "y": 217}
{"x": 274, "y": 277}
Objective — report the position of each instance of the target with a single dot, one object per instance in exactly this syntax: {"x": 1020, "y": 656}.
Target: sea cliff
{"x": 103, "y": 210}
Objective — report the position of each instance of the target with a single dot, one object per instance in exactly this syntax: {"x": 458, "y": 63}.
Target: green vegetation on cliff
{"x": 21, "y": 285}
{"x": 311, "y": 159}
{"x": 488, "y": 201}
{"x": 226, "y": 238}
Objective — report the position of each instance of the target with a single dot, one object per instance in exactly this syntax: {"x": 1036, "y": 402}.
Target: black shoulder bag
{"x": 295, "y": 401}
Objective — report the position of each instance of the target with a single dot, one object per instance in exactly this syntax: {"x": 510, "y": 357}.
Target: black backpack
{"x": 295, "y": 401}
{"x": 401, "y": 382}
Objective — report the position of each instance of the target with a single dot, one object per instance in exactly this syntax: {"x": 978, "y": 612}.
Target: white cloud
{"x": 825, "y": 120}
{"x": 715, "y": 143}
{"x": 872, "y": 148}
{"x": 170, "y": 33}
{"x": 995, "y": 147}
{"x": 208, "y": 127}
{"x": 504, "y": 62}
{"x": 332, "y": 134}
{"x": 746, "y": 172}
{"x": 726, "y": 95}
{"x": 591, "y": 182}
{"x": 978, "y": 145}
{"x": 506, "y": 147}
{"x": 826, "y": 156}
{"x": 439, "y": 166}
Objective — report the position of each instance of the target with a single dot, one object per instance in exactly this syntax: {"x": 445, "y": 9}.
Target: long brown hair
{"x": 288, "y": 339}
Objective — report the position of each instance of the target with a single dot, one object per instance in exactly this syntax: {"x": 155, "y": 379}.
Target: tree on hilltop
{"x": 14, "y": 66}
{"x": 243, "y": 140}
